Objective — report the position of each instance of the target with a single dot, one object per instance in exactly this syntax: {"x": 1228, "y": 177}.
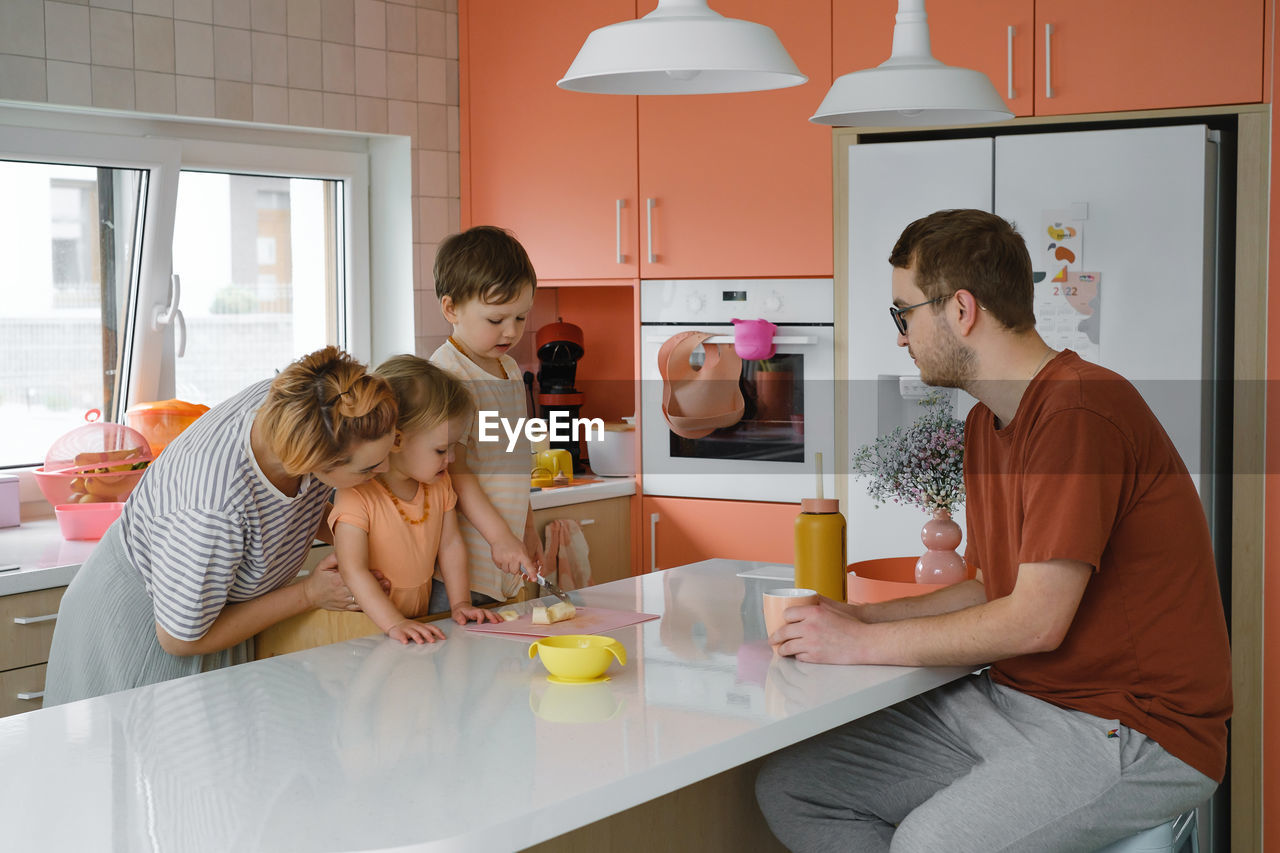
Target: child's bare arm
{"x": 508, "y": 552}
{"x": 452, "y": 559}
{"x": 351, "y": 544}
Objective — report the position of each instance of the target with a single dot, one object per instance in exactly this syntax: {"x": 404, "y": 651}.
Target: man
{"x": 1104, "y": 710}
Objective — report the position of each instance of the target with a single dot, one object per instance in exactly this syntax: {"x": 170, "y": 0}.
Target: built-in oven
{"x": 788, "y": 399}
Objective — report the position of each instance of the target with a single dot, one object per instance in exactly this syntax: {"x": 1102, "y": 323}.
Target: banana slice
{"x": 508, "y": 615}
{"x": 558, "y": 612}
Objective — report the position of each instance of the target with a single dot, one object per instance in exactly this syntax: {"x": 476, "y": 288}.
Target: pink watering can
{"x": 753, "y": 339}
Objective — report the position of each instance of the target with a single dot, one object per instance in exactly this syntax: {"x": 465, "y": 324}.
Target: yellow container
{"x": 820, "y": 548}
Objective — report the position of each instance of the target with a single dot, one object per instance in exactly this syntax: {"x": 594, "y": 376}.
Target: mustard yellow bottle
{"x": 820, "y": 547}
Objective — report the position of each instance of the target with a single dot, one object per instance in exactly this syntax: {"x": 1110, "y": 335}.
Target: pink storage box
{"x": 86, "y": 521}
{"x": 9, "y": 505}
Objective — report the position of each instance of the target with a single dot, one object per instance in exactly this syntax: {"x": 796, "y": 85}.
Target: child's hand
{"x": 464, "y": 613}
{"x": 403, "y": 632}
{"x": 511, "y": 557}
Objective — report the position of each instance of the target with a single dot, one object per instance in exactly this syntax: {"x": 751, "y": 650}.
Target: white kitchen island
{"x": 463, "y": 745}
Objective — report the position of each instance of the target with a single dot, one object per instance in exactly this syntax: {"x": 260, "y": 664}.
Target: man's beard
{"x": 950, "y": 364}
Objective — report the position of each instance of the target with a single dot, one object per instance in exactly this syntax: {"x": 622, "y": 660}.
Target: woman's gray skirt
{"x": 105, "y": 637}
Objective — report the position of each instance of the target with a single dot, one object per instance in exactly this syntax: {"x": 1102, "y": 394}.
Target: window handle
{"x": 171, "y": 314}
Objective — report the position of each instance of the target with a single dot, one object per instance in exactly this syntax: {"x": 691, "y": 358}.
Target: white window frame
{"x": 377, "y": 196}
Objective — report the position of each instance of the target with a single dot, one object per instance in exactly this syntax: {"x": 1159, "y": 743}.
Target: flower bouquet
{"x": 923, "y": 465}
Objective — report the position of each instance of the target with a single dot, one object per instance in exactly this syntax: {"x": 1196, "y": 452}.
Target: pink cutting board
{"x": 587, "y": 620}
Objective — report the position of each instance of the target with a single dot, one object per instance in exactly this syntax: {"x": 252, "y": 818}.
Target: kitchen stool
{"x": 1170, "y": 837}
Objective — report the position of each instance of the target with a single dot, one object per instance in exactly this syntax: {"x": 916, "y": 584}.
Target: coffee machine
{"x": 559, "y": 348}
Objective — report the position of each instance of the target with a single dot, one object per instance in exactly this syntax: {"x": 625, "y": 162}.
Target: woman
{"x": 203, "y": 556}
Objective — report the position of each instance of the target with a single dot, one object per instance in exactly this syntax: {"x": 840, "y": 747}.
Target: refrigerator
{"x": 1123, "y": 230}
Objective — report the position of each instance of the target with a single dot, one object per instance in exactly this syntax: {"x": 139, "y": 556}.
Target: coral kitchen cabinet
{"x": 679, "y": 531}
{"x": 620, "y": 187}
{"x": 1058, "y": 57}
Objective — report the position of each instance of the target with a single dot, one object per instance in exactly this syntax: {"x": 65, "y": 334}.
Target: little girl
{"x": 402, "y": 523}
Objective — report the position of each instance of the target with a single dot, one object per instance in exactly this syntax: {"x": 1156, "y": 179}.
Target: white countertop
{"x": 461, "y": 745}
{"x": 47, "y": 560}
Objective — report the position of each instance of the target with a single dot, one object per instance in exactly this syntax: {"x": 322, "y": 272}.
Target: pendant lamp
{"x": 681, "y": 48}
{"x": 911, "y": 88}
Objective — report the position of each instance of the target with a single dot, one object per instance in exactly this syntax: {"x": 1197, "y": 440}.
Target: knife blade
{"x": 553, "y": 589}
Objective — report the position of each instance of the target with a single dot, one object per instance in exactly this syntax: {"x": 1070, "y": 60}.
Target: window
{"x": 144, "y": 259}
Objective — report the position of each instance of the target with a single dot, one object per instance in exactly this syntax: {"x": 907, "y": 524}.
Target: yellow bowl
{"x": 578, "y": 657}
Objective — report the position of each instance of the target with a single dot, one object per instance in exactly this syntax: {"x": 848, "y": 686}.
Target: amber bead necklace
{"x": 395, "y": 500}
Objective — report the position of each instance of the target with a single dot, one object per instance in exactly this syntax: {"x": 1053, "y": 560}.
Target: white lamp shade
{"x": 911, "y": 88}
{"x": 910, "y": 96}
{"x": 681, "y": 48}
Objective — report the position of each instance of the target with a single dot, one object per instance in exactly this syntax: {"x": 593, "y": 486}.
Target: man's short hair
{"x": 975, "y": 251}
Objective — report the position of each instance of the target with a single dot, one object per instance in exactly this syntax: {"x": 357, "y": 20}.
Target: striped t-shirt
{"x": 205, "y": 527}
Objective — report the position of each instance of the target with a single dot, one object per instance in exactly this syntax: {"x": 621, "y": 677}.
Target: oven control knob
{"x": 772, "y": 302}
{"x": 695, "y": 302}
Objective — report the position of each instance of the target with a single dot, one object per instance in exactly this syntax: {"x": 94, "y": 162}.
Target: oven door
{"x": 789, "y": 416}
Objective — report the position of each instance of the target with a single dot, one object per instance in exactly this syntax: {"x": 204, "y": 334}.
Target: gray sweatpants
{"x": 974, "y": 766}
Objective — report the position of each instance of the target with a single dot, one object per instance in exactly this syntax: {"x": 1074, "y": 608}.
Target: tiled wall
{"x": 377, "y": 66}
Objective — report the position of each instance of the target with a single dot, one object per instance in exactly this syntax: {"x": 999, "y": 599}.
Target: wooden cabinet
{"x": 740, "y": 185}
{"x": 606, "y": 525}
{"x": 1100, "y": 57}
{"x": 686, "y": 530}
{"x": 26, "y": 631}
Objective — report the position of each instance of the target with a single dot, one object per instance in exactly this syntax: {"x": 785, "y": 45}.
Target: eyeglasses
{"x": 899, "y": 315}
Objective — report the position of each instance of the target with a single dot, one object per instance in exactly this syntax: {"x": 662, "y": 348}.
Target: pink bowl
{"x": 86, "y": 521}
{"x": 73, "y": 488}
{"x": 885, "y": 579}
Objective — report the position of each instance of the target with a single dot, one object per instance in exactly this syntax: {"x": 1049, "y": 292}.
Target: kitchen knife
{"x": 553, "y": 589}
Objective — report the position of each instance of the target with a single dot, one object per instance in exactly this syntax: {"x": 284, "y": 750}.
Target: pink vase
{"x": 940, "y": 563}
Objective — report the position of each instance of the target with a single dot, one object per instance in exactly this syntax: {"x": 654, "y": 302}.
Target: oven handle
{"x": 795, "y": 340}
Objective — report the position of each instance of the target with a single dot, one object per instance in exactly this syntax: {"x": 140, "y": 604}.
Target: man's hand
{"x": 827, "y": 632}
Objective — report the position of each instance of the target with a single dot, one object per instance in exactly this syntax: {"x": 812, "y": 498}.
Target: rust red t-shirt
{"x": 1085, "y": 472}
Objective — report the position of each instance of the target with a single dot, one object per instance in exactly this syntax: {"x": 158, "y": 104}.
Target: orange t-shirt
{"x": 1085, "y": 472}
{"x": 405, "y": 553}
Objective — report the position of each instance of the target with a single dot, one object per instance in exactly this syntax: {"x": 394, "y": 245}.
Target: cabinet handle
{"x": 1009, "y": 50}
{"x": 617, "y": 229}
{"x": 1048, "y": 65}
{"x": 39, "y": 694}
{"x": 31, "y": 620}
{"x": 586, "y": 521}
{"x": 649, "y": 204}
{"x": 653, "y": 541}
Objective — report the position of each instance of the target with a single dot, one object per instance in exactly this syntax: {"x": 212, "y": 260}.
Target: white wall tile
{"x": 155, "y": 92}
{"x": 69, "y": 83}
{"x": 162, "y": 8}
{"x": 371, "y": 23}
{"x": 432, "y": 40}
{"x": 451, "y": 36}
{"x": 22, "y": 78}
{"x": 402, "y": 76}
{"x": 371, "y": 115}
{"x": 153, "y": 43}
{"x": 268, "y": 16}
{"x": 112, "y": 87}
{"x": 338, "y": 63}
{"x": 433, "y": 173}
{"x": 22, "y": 28}
{"x": 433, "y": 126}
{"x": 454, "y": 123}
{"x": 402, "y": 29}
{"x": 233, "y": 100}
{"x": 193, "y": 49}
{"x": 371, "y": 72}
{"x": 339, "y": 111}
{"x": 304, "y": 63}
{"x": 431, "y": 80}
{"x": 270, "y": 59}
{"x": 232, "y": 54}
{"x": 402, "y": 118}
{"x": 111, "y": 37}
{"x": 66, "y": 31}
{"x": 270, "y": 104}
{"x": 306, "y": 109}
{"x": 200, "y": 11}
{"x": 338, "y": 21}
{"x": 195, "y": 96}
{"x": 232, "y": 13}
{"x": 118, "y": 5}
{"x": 302, "y": 18}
